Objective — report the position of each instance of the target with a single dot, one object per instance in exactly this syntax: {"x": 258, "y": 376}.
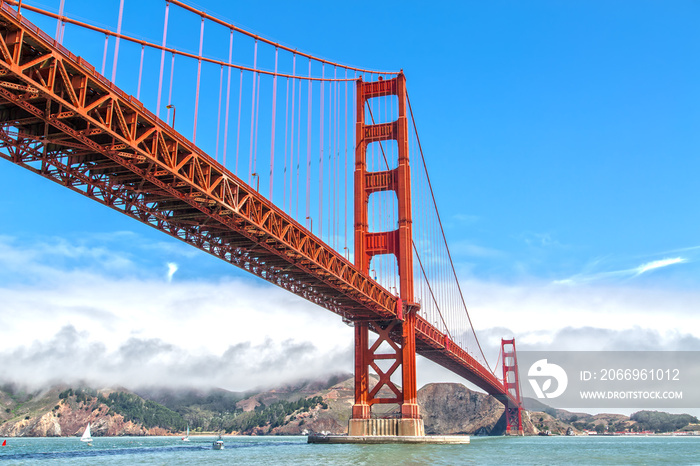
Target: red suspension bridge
{"x": 292, "y": 126}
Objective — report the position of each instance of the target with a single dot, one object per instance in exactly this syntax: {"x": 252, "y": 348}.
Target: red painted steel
{"x": 397, "y": 242}
{"x": 63, "y": 120}
{"x": 511, "y": 381}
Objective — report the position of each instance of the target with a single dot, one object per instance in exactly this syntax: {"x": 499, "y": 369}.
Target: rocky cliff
{"x": 452, "y": 409}
{"x": 49, "y": 414}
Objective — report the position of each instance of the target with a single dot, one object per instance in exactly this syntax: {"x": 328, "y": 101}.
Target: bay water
{"x": 268, "y": 451}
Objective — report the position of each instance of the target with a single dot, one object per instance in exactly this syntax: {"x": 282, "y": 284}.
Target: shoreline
{"x": 216, "y": 434}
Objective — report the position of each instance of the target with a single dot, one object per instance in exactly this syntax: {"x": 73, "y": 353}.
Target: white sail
{"x": 86, "y": 435}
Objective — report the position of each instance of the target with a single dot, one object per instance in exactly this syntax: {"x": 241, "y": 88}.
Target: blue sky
{"x": 562, "y": 143}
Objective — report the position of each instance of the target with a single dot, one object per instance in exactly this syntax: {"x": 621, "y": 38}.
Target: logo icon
{"x": 548, "y": 371}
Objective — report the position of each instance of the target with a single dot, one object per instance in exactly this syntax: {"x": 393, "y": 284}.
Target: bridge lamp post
{"x": 257, "y": 181}
{"x": 374, "y": 274}
{"x": 173, "y": 108}
{"x": 311, "y": 224}
{"x": 347, "y": 252}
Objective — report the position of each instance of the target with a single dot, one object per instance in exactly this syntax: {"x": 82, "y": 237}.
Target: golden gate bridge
{"x": 286, "y": 129}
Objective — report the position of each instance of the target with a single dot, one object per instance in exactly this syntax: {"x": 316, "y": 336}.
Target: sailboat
{"x": 86, "y": 436}
{"x": 186, "y": 438}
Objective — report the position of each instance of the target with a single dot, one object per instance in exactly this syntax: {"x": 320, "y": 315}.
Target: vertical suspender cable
{"x": 238, "y": 131}
{"x": 218, "y": 112}
{"x": 138, "y": 89}
{"x": 296, "y": 209}
{"x": 291, "y": 157}
{"x": 320, "y": 159}
{"x": 334, "y": 186}
{"x": 252, "y": 114}
{"x": 438, "y": 265}
{"x": 330, "y": 162}
{"x": 335, "y": 158}
{"x": 274, "y": 113}
{"x": 228, "y": 94}
{"x": 170, "y": 90}
{"x": 308, "y": 152}
{"x": 331, "y": 113}
{"x": 286, "y": 148}
{"x": 257, "y": 117}
{"x": 59, "y": 21}
{"x": 162, "y": 58}
{"x": 331, "y": 165}
{"x": 116, "y": 42}
{"x": 338, "y": 166}
{"x": 104, "y": 55}
{"x": 199, "y": 75}
{"x": 336, "y": 129}
{"x": 342, "y": 125}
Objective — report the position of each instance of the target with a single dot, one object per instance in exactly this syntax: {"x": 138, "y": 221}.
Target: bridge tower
{"x": 397, "y": 242}
{"x": 511, "y": 382}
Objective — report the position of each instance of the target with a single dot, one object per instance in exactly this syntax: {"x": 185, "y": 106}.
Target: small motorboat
{"x": 218, "y": 444}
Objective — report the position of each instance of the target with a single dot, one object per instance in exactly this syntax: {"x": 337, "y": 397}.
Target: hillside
{"x": 559, "y": 421}
{"x": 59, "y": 412}
{"x": 322, "y": 405}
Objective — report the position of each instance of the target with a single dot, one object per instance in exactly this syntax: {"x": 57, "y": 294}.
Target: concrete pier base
{"x": 386, "y": 427}
{"x": 388, "y": 439}
{"x": 383, "y": 431}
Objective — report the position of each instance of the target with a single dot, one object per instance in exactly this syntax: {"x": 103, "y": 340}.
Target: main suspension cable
{"x": 65, "y": 19}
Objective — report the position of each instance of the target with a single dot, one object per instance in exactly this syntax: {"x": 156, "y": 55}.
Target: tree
{"x": 661, "y": 421}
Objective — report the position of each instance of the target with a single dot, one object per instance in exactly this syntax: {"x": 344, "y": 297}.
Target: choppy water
{"x": 295, "y": 450}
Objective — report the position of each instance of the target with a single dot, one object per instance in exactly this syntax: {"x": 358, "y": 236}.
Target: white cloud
{"x": 534, "y": 306}
{"x": 72, "y": 356}
{"x": 194, "y": 318}
{"x": 624, "y": 273}
{"x": 659, "y": 264}
{"x": 172, "y": 268}
{"x": 138, "y": 327}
